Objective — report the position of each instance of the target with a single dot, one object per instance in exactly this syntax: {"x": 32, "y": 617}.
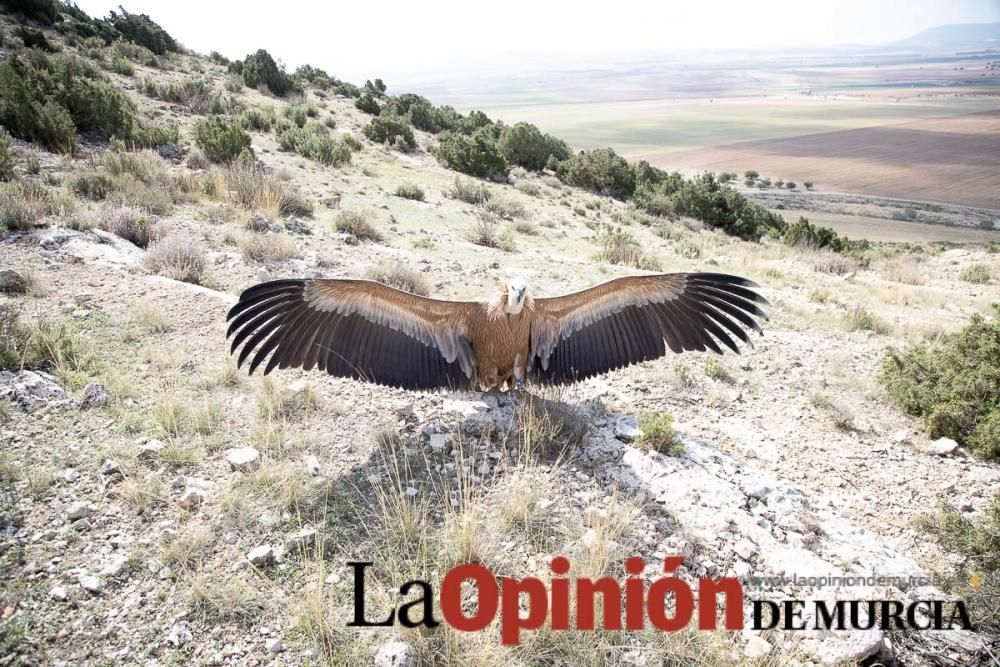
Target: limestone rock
{"x": 243, "y": 459}
{"x": 395, "y": 654}
{"x": 96, "y": 395}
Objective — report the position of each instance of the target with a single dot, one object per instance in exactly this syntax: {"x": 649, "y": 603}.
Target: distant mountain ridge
{"x": 956, "y": 34}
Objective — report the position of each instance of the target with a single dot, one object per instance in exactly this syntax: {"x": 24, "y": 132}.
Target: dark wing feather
{"x": 628, "y": 320}
{"x": 354, "y": 328}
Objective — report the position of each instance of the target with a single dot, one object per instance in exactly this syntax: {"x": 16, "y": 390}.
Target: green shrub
{"x": 221, "y": 140}
{"x": 977, "y": 274}
{"x": 469, "y": 191}
{"x": 475, "y": 155}
{"x": 34, "y": 39}
{"x": 122, "y": 66}
{"x": 953, "y": 385}
{"x": 790, "y": 185}
{"x": 410, "y": 191}
{"x": 6, "y": 160}
{"x": 94, "y": 185}
{"x": 751, "y": 173}
{"x": 391, "y": 130}
{"x": 47, "y": 99}
{"x": 368, "y": 104}
{"x": 524, "y": 144}
{"x": 300, "y": 113}
{"x": 808, "y": 184}
{"x": 600, "y": 170}
{"x": 657, "y": 434}
{"x": 46, "y": 11}
{"x": 259, "y": 69}
{"x": 314, "y": 142}
{"x": 804, "y": 234}
{"x": 977, "y": 541}
{"x": 142, "y": 30}
{"x": 259, "y": 119}
{"x": 528, "y": 188}
{"x": 506, "y": 207}
{"x": 133, "y": 52}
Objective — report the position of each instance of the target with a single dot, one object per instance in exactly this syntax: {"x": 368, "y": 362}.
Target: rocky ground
{"x": 158, "y": 507}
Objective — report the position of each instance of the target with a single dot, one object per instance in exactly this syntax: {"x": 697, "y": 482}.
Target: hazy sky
{"x": 435, "y": 39}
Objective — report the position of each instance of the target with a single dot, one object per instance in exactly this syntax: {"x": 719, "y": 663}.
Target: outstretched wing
{"x": 628, "y": 320}
{"x": 354, "y": 328}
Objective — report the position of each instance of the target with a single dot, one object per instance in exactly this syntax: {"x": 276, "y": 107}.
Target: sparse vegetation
{"x": 390, "y": 130}
{"x": 265, "y": 248}
{"x": 486, "y": 232}
{"x": 658, "y": 434}
{"x": 954, "y": 385}
{"x": 400, "y": 276}
{"x": 977, "y": 541}
{"x": 470, "y": 192}
{"x": 859, "y": 318}
{"x": 475, "y": 155}
{"x": 977, "y": 274}
{"x": 221, "y": 140}
{"x": 252, "y": 188}
{"x": 178, "y": 257}
{"x": 358, "y": 224}
{"x": 410, "y": 191}
{"x": 620, "y": 247}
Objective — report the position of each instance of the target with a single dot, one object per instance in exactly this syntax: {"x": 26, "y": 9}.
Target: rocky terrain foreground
{"x": 157, "y": 506}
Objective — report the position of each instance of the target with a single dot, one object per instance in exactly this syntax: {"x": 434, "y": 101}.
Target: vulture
{"x": 366, "y": 330}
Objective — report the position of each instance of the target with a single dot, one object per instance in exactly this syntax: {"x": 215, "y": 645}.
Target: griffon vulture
{"x": 367, "y": 330}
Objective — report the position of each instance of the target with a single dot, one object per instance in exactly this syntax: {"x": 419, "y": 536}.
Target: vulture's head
{"x": 515, "y": 290}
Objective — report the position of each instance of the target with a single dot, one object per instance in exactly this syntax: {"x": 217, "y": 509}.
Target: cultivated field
{"x": 924, "y": 129}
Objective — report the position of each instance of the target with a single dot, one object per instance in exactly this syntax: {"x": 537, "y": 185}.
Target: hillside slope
{"x": 137, "y": 527}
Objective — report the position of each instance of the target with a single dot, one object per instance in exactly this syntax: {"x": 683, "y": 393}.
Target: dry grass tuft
{"x": 178, "y": 257}
{"x": 358, "y": 224}
{"x": 400, "y": 276}
{"x": 266, "y": 248}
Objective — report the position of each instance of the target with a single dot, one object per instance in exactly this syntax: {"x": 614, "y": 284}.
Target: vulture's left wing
{"x": 627, "y": 320}
{"x": 355, "y": 328}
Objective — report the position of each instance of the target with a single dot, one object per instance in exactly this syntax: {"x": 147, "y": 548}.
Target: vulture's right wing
{"x": 354, "y": 328}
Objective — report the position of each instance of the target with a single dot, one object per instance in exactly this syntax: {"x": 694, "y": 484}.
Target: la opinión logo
{"x": 629, "y": 605}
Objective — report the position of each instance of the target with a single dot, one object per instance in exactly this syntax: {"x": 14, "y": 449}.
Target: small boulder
{"x": 395, "y": 654}
{"x": 243, "y": 459}
{"x": 943, "y": 446}
{"x": 95, "y": 395}
{"x": 179, "y": 636}
{"x": 257, "y": 223}
{"x": 91, "y": 584}
{"x": 59, "y": 594}
{"x": 274, "y": 645}
{"x": 756, "y": 648}
{"x": 195, "y": 493}
{"x": 262, "y": 555}
{"x": 79, "y": 510}
{"x": 171, "y": 151}
{"x": 301, "y": 540}
{"x": 296, "y": 226}
{"x": 150, "y": 451}
{"x": 627, "y": 429}
{"x": 12, "y": 281}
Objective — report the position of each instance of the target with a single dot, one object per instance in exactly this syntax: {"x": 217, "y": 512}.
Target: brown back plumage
{"x": 367, "y": 330}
